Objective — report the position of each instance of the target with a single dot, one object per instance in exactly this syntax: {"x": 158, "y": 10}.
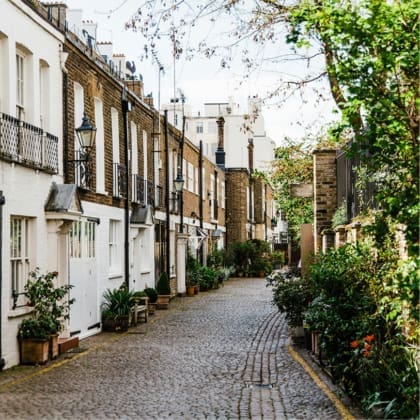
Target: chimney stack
{"x": 220, "y": 152}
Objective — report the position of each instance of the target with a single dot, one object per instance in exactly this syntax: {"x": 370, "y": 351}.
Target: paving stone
{"x": 220, "y": 355}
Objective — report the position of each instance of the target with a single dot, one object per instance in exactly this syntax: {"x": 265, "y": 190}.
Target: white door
{"x": 84, "y": 313}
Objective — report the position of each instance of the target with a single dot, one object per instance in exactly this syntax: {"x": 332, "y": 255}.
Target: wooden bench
{"x": 140, "y": 309}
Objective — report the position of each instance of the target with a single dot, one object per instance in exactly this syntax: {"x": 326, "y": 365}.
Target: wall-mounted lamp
{"x": 86, "y": 134}
{"x": 179, "y": 183}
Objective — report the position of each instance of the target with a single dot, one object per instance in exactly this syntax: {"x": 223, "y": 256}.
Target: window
{"x": 190, "y": 180}
{"x": 19, "y": 254}
{"x": 20, "y": 99}
{"x": 212, "y": 127}
{"x": 44, "y": 91}
{"x": 82, "y": 239}
{"x": 114, "y": 247}
{"x": 100, "y": 147}
{"x": 199, "y": 128}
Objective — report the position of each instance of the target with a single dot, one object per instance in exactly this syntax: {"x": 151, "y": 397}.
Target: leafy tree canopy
{"x": 370, "y": 60}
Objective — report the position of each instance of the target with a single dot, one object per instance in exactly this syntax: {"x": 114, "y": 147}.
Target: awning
{"x": 63, "y": 202}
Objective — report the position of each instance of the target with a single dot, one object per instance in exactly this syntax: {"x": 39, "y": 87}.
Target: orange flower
{"x": 367, "y": 347}
{"x": 370, "y": 338}
{"x": 354, "y": 344}
{"x": 366, "y": 353}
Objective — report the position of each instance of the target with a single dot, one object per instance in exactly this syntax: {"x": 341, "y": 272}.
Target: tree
{"x": 370, "y": 52}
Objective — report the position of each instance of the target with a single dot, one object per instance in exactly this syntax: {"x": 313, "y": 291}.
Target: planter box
{"x": 163, "y": 301}
{"x": 116, "y": 324}
{"x": 53, "y": 346}
{"x": 34, "y": 351}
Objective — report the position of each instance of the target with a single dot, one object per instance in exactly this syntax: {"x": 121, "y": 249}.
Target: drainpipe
{"x": 126, "y": 107}
{"x": 168, "y": 225}
{"x": 200, "y": 192}
{"x": 181, "y": 193}
{"x": 2, "y": 202}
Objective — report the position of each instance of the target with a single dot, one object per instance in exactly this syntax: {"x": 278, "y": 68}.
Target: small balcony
{"x": 27, "y": 145}
{"x": 119, "y": 184}
{"x": 143, "y": 191}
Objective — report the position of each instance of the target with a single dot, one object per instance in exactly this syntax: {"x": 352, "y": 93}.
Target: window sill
{"x": 18, "y": 312}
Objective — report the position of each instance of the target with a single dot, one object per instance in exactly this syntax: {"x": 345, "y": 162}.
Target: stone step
{"x": 66, "y": 344}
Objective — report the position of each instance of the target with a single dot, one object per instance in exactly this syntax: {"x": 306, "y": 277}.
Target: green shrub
{"x": 151, "y": 293}
{"x": 117, "y": 303}
{"x": 292, "y": 296}
{"x": 163, "y": 286}
{"x": 364, "y": 311}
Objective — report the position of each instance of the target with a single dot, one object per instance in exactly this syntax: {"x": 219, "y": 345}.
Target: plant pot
{"x": 152, "y": 308}
{"x": 190, "y": 290}
{"x": 196, "y": 289}
{"x": 262, "y": 274}
{"x": 119, "y": 324}
{"x": 163, "y": 301}
{"x": 53, "y": 346}
{"x": 34, "y": 351}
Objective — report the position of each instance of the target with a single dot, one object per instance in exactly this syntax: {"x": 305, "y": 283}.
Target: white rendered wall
{"x": 26, "y": 190}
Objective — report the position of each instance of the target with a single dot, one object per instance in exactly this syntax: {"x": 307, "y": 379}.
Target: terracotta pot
{"x": 34, "y": 351}
{"x": 190, "y": 290}
{"x": 196, "y": 289}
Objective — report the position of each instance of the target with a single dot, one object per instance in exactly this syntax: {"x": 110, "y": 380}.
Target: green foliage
{"x": 366, "y": 308}
{"x": 151, "y": 293}
{"x": 250, "y": 257}
{"x": 371, "y": 50}
{"x": 293, "y": 165}
{"x": 340, "y": 215}
{"x": 117, "y": 303}
{"x": 50, "y": 305}
{"x": 163, "y": 286}
{"x": 292, "y": 295}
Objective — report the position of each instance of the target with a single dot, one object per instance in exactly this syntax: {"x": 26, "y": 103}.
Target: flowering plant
{"x": 50, "y": 305}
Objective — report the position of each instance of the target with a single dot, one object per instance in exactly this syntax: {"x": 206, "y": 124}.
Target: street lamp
{"x": 178, "y": 183}
{"x": 86, "y": 134}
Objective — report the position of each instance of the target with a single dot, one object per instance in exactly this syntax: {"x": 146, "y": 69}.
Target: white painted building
{"x": 239, "y": 128}
{"x": 30, "y": 151}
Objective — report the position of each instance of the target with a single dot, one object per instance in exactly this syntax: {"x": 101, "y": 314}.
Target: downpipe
{"x": 2, "y": 202}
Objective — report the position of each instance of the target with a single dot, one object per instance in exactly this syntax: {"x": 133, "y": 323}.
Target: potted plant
{"x": 163, "y": 289}
{"x": 116, "y": 309}
{"x": 50, "y": 308}
{"x": 152, "y": 294}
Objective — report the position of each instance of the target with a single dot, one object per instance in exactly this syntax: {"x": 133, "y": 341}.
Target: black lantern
{"x": 179, "y": 183}
{"x": 86, "y": 134}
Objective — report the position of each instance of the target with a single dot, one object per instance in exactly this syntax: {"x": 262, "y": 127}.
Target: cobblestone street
{"x": 222, "y": 354}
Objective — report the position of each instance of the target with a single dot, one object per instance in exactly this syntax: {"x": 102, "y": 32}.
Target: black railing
{"x": 28, "y": 145}
{"x": 355, "y": 193}
{"x": 119, "y": 184}
{"x": 143, "y": 191}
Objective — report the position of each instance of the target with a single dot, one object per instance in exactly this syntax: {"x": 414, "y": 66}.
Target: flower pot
{"x": 196, "y": 289}
{"x": 119, "y": 324}
{"x": 34, "y": 351}
{"x": 190, "y": 290}
{"x": 53, "y": 346}
{"x": 163, "y": 301}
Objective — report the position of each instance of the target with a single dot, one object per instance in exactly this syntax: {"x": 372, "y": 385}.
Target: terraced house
{"x": 88, "y": 174}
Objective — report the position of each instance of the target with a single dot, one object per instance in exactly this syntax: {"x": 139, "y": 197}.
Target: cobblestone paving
{"x": 220, "y": 355}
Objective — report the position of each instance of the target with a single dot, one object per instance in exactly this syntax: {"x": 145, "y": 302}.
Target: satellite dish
{"x": 131, "y": 66}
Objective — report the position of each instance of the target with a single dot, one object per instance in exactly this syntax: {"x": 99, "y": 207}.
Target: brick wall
{"x": 325, "y": 192}
{"x": 237, "y": 183}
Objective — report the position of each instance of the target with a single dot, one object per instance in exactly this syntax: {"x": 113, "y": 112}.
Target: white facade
{"x": 239, "y": 128}
{"x": 30, "y": 92}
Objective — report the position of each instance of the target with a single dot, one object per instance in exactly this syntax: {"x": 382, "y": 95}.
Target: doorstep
{"x": 66, "y": 344}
